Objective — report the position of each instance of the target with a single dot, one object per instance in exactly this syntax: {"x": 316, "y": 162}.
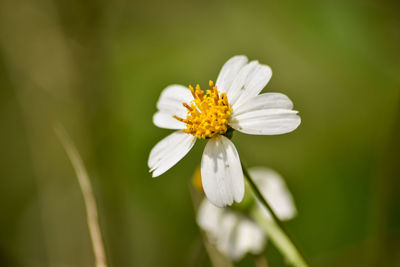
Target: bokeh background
{"x": 98, "y": 67}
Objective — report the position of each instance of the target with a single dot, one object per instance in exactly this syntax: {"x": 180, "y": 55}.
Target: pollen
{"x": 208, "y": 112}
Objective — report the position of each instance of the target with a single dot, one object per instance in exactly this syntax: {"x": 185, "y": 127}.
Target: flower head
{"x": 234, "y": 102}
{"x": 234, "y": 232}
{"x": 207, "y": 113}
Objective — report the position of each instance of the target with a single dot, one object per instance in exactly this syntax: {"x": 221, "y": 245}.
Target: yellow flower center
{"x": 207, "y": 114}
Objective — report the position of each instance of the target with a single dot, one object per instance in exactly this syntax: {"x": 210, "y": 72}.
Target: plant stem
{"x": 276, "y": 229}
{"x": 88, "y": 196}
{"x": 260, "y": 196}
{"x": 260, "y": 261}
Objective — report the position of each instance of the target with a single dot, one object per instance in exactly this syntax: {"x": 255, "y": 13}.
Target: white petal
{"x": 221, "y": 172}
{"x": 238, "y": 235}
{"x": 229, "y": 72}
{"x": 249, "y": 238}
{"x": 208, "y": 218}
{"x": 170, "y": 104}
{"x": 264, "y": 120}
{"x": 226, "y": 236}
{"x": 237, "y": 87}
{"x": 264, "y": 101}
{"x": 249, "y": 82}
{"x": 167, "y": 121}
{"x": 232, "y": 233}
{"x": 169, "y": 151}
{"x": 220, "y": 226}
{"x": 274, "y": 189}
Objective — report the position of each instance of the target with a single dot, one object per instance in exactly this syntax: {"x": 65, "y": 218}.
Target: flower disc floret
{"x": 207, "y": 113}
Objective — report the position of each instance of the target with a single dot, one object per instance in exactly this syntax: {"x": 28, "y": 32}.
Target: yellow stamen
{"x": 192, "y": 91}
{"x": 187, "y": 106}
{"x": 182, "y": 120}
{"x": 207, "y": 113}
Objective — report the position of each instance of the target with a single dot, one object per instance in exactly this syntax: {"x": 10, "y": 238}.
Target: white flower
{"x": 235, "y": 234}
{"x": 274, "y": 189}
{"x": 233, "y": 103}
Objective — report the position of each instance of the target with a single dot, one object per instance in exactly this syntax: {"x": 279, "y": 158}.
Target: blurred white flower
{"x": 234, "y": 103}
{"x": 274, "y": 189}
{"x": 235, "y": 233}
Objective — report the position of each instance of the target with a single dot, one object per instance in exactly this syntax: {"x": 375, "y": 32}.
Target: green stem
{"x": 260, "y": 196}
{"x": 281, "y": 241}
{"x": 275, "y": 229}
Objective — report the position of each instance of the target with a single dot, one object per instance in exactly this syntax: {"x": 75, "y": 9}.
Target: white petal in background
{"x": 250, "y": 81}
{"x": 170, "y": 104}
{"x": 262, "y": 120}
{"x": 274, "y": 189}
{"x": 232, "y": 233}
{"x": 169, "y": 151}
{"x": 227, "y": 235}
{"x": 221, "y": 172}
{"x": 249, "y": 238}
{"x": 208, "y": 218}
{"x": 229, "y": 72}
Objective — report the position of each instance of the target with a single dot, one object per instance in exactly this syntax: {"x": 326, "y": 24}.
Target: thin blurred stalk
{"x": 88, "y": 197}
{"x": 260, "y": 261}
{"x": 275, "y": 229}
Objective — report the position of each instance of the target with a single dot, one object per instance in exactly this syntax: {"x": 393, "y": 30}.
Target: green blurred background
{"x": 98, "y": 67}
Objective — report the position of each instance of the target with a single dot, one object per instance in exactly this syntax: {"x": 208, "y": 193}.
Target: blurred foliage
{"x": 98, "y": 67}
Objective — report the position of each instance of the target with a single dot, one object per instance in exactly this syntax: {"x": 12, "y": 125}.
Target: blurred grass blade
{"x": 88, "y": 197}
